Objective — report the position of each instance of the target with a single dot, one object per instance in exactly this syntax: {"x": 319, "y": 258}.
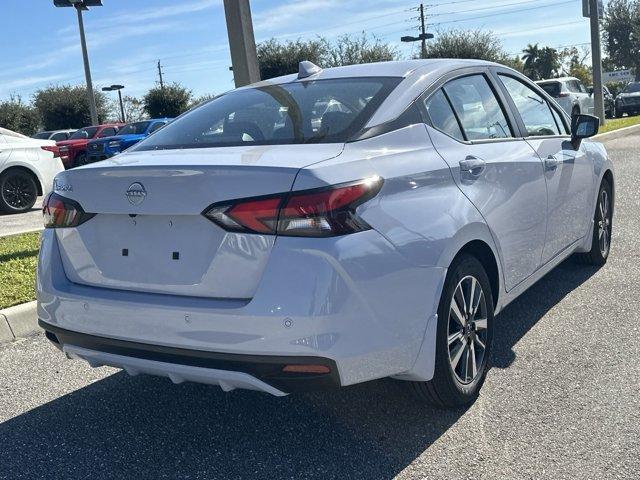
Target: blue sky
{"x": 39, "y": 44}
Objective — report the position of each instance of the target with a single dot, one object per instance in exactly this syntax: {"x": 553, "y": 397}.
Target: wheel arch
{"x": 483, "y": 252}
{"x": 29, "y": 171}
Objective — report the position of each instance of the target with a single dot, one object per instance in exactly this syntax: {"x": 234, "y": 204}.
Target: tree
{"x": 66, "y": 106}
{"x": 530, "y": 57}
{"x": 170, "y": 101}
{"x": 621, "y": 34}
{"x": 18, "y": 116}
{"x": 574, "y": 64}
{"x": 276, "y": 58}
{"x": 476, "y": 44}
{"x": 348, "y": 50}
{"x": 133, "y": 108}
{"x": 540, "y": 63}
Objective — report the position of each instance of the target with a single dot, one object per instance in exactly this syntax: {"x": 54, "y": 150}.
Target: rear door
{"x": 567, "y": 172}
{"x": 499, "y": 172}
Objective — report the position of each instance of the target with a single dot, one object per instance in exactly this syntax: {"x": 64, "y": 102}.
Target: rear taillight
{"x": 53, "y": 149}
{"x": 324, "y": 212}
{"x": 61, "y": 212}
{"x": 563, "y": 95}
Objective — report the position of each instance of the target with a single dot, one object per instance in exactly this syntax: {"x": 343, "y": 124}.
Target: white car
{"x": 27, "y": 169}
{"x": 570, "y": 93}
{"x": 235, "y": 248}
{"x": 55, "y": 135}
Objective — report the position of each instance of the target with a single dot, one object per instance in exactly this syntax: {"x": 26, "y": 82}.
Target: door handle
{"x": 551, "y": 162}
{"x": 472, "y": 165}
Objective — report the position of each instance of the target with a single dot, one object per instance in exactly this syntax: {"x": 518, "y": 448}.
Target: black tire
{"x": 599, "y": 253}
{"x": 18, "y": 191}
{"x": 619, "y": 113}
{"x": 447, "y": 389}
{"x": 81, "y": 159}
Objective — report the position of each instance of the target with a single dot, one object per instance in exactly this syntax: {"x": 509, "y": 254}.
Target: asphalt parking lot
{"x": 24, "y": 222}
{"x": 560, "y": 401}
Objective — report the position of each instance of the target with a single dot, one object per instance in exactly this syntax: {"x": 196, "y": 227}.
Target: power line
{"x": 505, "y": 13}
{"x": 485, "y": 8}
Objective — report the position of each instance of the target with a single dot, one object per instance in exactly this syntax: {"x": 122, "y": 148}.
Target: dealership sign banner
{"x": 617, "y": 76}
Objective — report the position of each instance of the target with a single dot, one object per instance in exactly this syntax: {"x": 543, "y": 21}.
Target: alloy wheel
{"x": 604, "y": 223}
{"x": 18, "y": 192}
{"x": 467, "y": 330}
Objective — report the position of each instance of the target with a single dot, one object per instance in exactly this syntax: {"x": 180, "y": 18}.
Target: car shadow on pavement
{"x": 145, "y": 427}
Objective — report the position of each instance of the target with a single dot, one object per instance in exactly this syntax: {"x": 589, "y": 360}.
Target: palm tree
{"x": 531, "y": 54}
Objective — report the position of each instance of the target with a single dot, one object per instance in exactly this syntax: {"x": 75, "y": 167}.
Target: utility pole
{"x": 244, "y": 59}
{"x": 596, "y": 58}
{"x": 423, "y": 37}
{"x": 160, "y": 75}
{"x": 423, "y": 52}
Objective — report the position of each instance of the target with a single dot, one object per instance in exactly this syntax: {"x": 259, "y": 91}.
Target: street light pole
{"x": 87, "y": 70}
{"x": 596, "y": 58}
{"x": 80, "y": 5}
{"x": 118, "y": 88}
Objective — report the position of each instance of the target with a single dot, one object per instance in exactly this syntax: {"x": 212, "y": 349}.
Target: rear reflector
{"x": 53, "y": 149}
{"x": 323, "y": 212}
{"x": 317, "y": 369}
{"x": 61, "y": 212}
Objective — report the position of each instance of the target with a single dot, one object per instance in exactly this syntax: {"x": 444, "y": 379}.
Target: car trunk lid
{"x": 149, "y": 233}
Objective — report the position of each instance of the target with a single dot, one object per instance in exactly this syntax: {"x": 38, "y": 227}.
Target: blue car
{"x": 130, "y": 134}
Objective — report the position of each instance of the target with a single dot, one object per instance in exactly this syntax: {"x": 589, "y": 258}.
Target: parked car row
{"x": 575, "y": 98}
{"x": 99, "y": 142}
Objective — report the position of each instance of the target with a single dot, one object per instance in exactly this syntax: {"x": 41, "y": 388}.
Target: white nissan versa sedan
{"x": 265, "y": 241}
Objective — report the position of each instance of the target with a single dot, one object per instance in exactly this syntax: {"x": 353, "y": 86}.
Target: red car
{"x": 73, "y": 151}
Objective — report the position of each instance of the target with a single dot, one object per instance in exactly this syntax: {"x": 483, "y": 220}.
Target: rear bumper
{"x": 353, "y": 302}
{"x": 254, "y": 372}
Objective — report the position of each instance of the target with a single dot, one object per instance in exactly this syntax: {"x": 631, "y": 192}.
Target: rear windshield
{"x": 552, "y": 88}
{"x": 321, "y": 111}
{"x": 632, "y": 88}
{"x": 136, "y": 128}
{"x": 88, "y": 132}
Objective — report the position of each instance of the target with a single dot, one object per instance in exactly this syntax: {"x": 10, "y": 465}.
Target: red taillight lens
{"x": 53, "y": 149}
{"x": 322, "y": 212}
{"x": 61, "y": 212}
{"x": 563, "y": 95}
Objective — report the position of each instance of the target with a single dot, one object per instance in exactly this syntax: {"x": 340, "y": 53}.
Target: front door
{"x": 567, "y": 172}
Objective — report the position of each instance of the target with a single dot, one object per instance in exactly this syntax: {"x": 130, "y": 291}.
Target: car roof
{"x": 559, "y": 79}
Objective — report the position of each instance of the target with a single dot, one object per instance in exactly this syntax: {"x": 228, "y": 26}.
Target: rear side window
{"x": 477, "y": 107}
{"x": 441, "y": 115}
{"x": 533, "y": 108}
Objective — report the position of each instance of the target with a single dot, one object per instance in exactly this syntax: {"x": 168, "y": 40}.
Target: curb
{"x": 615, "y": 134}
{"x": 18, "y": 322}
{"x": 22, "y": 232}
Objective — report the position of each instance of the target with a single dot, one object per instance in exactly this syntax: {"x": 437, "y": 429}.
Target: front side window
{"x": 156, "y": 126}
{"x": 59, "y": 136}
{"x": 478, "y": 109}
{"x": 533, "y": 108}
{"x": 136, "y": 128}
{"x": 320, "y": 111}
{"x": 441, "y": 115}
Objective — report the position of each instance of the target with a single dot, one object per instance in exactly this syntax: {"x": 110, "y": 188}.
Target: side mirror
{"x": 583, "y": 126}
